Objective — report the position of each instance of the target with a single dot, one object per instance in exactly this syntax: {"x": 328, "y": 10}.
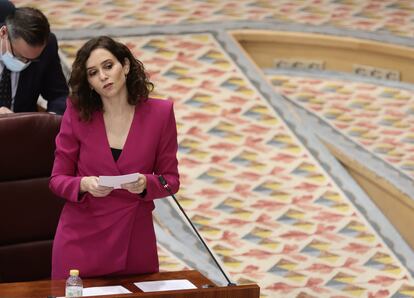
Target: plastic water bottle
{"x": 74, "y": 285}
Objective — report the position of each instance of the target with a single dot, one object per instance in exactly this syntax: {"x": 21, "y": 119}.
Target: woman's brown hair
{"x": 85, "y": 99}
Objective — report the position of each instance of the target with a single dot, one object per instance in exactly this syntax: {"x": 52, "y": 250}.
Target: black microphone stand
{"x": 167, "y": 187}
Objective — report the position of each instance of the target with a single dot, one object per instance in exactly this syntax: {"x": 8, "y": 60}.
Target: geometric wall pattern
{"x": 169, "y": 262}
{"x": 385, "y": 16}
{"x": 260, "y": 199}
{"x": 378, "y": 118}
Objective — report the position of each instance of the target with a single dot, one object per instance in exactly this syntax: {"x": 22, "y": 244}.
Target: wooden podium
{"x": 205, "y": 288}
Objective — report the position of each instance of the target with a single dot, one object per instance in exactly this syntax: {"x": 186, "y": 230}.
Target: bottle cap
{"x": 74, "y": 272}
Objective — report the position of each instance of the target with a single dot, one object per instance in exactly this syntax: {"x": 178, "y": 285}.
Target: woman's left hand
{"x": 137, "y": 186}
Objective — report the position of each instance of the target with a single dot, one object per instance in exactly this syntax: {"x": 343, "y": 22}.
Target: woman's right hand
{"x": 90, "y": 184}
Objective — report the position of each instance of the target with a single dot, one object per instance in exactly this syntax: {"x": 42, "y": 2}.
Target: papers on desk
{"x": 165, "y": 285}
{"x": 145, "y": 286}
{"x": 107, "y": 290}
{"x": 116, "y": 181}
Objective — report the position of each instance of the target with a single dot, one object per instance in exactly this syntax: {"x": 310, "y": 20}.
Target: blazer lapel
{"x": 127, "y": 151}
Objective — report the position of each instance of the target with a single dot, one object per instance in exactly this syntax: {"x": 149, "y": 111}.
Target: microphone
{"x": 167, "y": 187}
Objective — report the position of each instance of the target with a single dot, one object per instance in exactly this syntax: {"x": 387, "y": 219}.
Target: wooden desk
{"x": 43, "y": 289}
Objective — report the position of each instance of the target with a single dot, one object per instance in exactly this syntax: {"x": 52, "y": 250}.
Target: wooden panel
{"x": 397, "y": 206}
{"x": 56, "y": 288}
{"x": 395, "y": 209}
{"x": 338, "y": 53}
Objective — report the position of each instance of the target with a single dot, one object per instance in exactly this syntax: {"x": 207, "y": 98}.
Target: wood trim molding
{"x": 337, "y": 52}
{"x": 397, "y": 206}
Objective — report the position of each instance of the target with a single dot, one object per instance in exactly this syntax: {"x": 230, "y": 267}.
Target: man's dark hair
{"x": 30, "y": 24}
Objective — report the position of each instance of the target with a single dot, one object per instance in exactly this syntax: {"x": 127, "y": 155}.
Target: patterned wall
{"x": 378, "y": 118}
{"x": 383, "y": 16}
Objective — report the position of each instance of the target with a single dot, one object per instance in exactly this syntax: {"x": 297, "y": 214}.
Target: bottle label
{"x": 73, "y": 291}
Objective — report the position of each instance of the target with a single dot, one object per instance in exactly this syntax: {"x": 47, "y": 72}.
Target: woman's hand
{"x": 90, "y": 184}
{"x": 137, "y": 186}
{"x": 4, "y": 110}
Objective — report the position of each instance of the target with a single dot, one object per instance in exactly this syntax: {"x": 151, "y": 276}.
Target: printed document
{"x": 105, "y": 290}
{"x": 116, "y": 181}
{"x": 165, "y": 285}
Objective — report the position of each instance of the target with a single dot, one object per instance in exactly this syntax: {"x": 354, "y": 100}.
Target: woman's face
{"x": 105, "y": 73}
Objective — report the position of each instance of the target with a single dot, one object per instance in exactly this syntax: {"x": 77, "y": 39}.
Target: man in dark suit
{"x": 29, "y": 62}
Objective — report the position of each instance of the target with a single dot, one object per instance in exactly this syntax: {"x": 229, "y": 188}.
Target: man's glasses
{"x": 22, "y": 59}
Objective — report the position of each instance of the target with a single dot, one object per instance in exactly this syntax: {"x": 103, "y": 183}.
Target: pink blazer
{"x": 94, "y": 234}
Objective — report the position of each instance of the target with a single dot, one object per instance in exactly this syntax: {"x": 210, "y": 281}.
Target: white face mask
{"x": 11, "y": 62}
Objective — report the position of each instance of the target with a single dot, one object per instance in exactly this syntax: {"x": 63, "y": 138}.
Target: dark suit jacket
{"x": 43, "y": 77}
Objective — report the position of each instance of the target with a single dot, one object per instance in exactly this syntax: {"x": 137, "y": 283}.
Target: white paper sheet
{"x": 116, "y": 181}
{"x": 107, "y": 290}
{"x": 165, "y": 285}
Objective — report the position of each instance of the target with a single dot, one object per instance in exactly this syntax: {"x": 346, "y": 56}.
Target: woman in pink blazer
{"x": 111, "y": 127}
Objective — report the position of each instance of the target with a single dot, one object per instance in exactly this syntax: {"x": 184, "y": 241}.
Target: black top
{"x": 116, "y": 153}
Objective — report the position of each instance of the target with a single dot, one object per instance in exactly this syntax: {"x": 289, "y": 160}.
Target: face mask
{"x": 11, "y": 62}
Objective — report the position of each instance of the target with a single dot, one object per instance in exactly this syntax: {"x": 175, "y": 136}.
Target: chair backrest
{"x": 29, "y": 212}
